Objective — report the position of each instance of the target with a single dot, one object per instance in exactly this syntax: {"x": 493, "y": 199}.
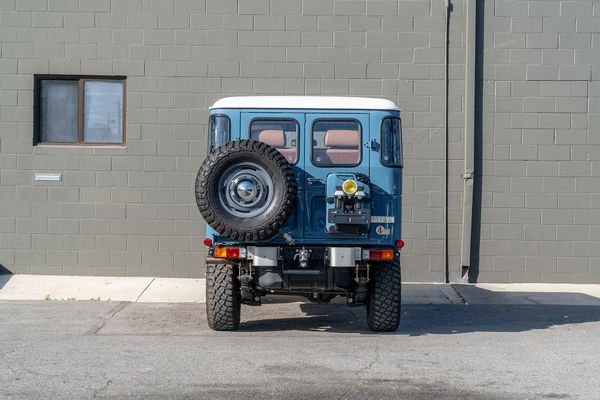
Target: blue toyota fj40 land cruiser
{"x": 302, "y": 195}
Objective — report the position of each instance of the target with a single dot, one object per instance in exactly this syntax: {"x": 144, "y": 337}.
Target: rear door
{"x": 335, "y": 143}
{"x": 285, "y": 132}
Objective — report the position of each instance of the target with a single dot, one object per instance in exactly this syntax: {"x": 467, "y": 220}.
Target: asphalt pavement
{"x": 467, "y": 343}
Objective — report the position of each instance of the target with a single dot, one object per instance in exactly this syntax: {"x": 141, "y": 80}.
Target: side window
{"x": 336, "y": 143}
{"x": 219, "y": 131}
{"x": 391, "y": 142}
{"x": 281, "y": 134}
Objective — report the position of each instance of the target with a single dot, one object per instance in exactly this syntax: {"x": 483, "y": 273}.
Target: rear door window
{"x": 336, "y": 143}
{"x": 391, "y": 142}
{"x": 281, "y": 134}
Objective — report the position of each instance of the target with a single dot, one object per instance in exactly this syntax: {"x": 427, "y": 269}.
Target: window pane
{"x": 283, "y": 135}
{"x": 336, "y": 143}
{"x": 103, "y": 111}
{"x": 219, "y": 131}
{"x": 391, "y": 142}
{"x": 58, "y": 110}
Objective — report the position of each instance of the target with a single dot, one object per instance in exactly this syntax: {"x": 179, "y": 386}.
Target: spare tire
{"x": 246, "y": 190}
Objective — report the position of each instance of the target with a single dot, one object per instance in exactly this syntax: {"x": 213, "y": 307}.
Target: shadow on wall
{"x": 479, "y": 110}
{"x": 496, "y": 313}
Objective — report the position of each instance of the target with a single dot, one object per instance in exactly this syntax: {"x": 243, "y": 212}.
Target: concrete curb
{"x": 181, "y": 290}
{"x": 100, "y": 288}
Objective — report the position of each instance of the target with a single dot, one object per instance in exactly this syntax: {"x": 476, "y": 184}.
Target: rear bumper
{"x": 330, "y": 256}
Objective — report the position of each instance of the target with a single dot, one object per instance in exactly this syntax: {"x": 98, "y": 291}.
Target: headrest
{"x": 341, "y": 138}
{"x": 273, "y": 137}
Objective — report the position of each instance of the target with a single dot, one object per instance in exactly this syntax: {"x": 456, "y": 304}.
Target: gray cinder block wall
{"x": 130, "y": 211}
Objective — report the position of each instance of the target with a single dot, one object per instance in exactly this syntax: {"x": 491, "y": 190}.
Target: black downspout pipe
{"x": 446, "y": 84}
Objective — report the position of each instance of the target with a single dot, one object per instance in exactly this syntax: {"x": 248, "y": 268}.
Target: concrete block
{"x": 511, "y": 9}
{"x": 136, "y": 242}
{"x": 544, "y": 8}
{"x": 141, "y": 211}
{"x": 571, "y": 104}
{"x": 174, "y": 21}
{"x": 555, "y": 120}
{"x": 587, "y": 24}
{"x": 157, "y": 259}
{"x": 559, "y": 24}
{"x": 158, "y": 6}
{"x": 63, "y": 5}
{"x": 510, "y": 200}
{"x": 254, "y": 7}
{"x": 576, "y": 8}
{"x": 125, "y": 258}
{"x": 570, "y": 40}
{"x": 284, "y": 38}
{"x": 554, "y": 152}
{"x": 317, "y": 7}
{"x": 526, "y": 24}
{"x": 542, "y": 40}
{"x": 175, "y": 53}
{"x": 561, "y": 185}
{"x": 575, "y": 72}
{"x": 540, "y": 264}
{"x": 285, "y": 7}
{"x": 542, "y": 72}
{"x": 574, "y": 168}
{"x": 355, "y": 24}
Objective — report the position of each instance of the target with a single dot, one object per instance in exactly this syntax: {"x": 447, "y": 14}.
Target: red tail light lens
{"x": 399, "y": 244}
{"x": 207, "y": 242}
{"x": 233, "y": 252}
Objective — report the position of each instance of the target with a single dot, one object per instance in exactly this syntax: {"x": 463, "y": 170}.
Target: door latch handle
{"x": 314, "y": 180}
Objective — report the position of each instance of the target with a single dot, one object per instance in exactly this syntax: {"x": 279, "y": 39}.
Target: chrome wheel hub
{"x": 246, "y": 189}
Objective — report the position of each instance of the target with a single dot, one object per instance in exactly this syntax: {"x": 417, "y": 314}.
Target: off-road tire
{"x": 223, "y": 297}
{"x": 284, "y": 190}
{"x": 383, "y": 300}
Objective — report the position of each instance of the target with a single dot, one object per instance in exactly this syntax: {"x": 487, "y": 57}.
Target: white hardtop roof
{"x": 306, "y": 102}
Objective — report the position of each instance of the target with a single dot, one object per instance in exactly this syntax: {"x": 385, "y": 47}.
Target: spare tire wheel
{"x": 246, "y": 190}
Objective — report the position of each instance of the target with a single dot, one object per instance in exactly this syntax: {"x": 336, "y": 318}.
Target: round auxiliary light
{"x": 349, "y": 186}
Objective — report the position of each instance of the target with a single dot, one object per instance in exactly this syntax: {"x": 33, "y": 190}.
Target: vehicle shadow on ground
{"x": 501, "y": 312}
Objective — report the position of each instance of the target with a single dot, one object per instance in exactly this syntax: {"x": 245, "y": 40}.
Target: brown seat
{"x": 276, "y": 138}
{"x": 342, "y": 147}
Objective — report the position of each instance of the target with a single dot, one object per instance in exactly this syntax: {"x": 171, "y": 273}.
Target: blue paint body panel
{"x": 308, "y": 222}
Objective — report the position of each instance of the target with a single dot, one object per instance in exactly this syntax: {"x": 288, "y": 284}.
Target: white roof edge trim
{"x": 306, "y": 102}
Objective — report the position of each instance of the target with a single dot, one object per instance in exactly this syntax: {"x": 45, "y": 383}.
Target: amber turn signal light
{"x": 381, "y": 255}
{"x": 227, "y": 252}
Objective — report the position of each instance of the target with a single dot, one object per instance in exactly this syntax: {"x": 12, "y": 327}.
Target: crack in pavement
{"x": 114, "y": 311}
{"x": 372, "y": 362}
{"x": 102, "y": 388}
